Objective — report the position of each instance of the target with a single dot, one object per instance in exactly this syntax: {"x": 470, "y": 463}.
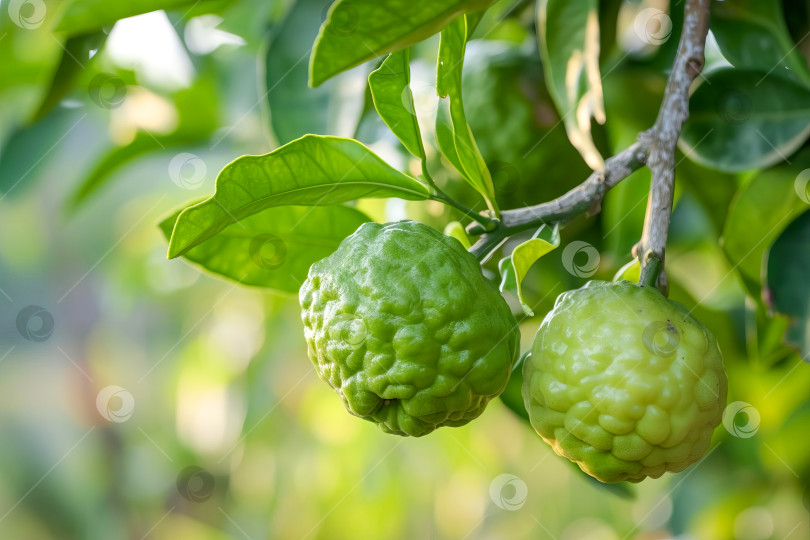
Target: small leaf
{"x": 358, "y": 30}
{"x": 470, "y": 163}
{"x": 788, "y": 287}
{"x": 630, "y": 271}
{"x": 456, "y": 230}
{"x": 313, "y": 171}
{"x": 544, "y": 241}
{"x": 274, "y": 248}
{"x": 393, "y": 100}
{"x": 741, "y": 120}
{"x": 568, "y": 33}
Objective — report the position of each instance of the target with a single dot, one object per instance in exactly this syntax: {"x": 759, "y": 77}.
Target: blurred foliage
{"x": 107, "y": 127}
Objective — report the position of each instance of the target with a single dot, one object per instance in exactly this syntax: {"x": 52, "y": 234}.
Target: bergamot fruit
{"x": 624, "y": 382}
{"x": 402, "y": 324}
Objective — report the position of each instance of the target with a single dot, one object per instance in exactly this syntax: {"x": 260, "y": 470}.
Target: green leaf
{"x": 313, "y": 170}
{"x": 295, "y": 109}
{"x": 393, "y": 100}
{"x": 753, "y": 35}
{"x": 568, "y": 33}
{"x": 788, "y": 269}
{"x": 544, "y": 241}
{"x": 630, "y": 271}
{"x": 87, "y": 15}
{"x": 759, "y": 213}
{"x": 471, "y": 164}
{"x": 741, "y": 120}
{"x": 358, "y": 30}
{"x": 274, "y": 248}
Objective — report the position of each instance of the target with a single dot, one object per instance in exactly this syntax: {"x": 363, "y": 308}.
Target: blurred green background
{"x": 143, "y": 398}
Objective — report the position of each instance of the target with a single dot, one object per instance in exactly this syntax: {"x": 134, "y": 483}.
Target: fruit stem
{"x": 653, "y": 265}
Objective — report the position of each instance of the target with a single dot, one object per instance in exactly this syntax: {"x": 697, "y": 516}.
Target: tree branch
{"x": 662, "y": 138}
{"x": 583, "y": 197}
{"x": 655, "y": 148}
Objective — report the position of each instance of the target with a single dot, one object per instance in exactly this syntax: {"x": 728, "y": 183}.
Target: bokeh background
{"x": 143, "y": 398}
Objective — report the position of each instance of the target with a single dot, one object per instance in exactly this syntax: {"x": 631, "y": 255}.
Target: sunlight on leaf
{"x": 514, "y": 268}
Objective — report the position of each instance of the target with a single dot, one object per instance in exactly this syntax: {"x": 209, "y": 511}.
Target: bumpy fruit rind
{"x": 624, "y": 382}
{"x": 402, "y": 324}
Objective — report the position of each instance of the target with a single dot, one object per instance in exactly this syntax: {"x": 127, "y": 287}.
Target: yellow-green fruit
{"x": 624, "y": 382}
{"x": 403, "y": 325}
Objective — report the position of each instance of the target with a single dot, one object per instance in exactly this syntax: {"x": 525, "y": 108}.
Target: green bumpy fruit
{"x": 402, "y": 324}
{"x": 624, "y": 382}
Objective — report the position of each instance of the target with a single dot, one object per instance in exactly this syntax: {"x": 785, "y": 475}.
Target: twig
{"x": 662, "y": 138}
{"x": 583, "y": 197}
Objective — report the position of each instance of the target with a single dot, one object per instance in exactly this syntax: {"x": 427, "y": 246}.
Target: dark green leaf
{"x": 313, "y": 170}
{"x": 295, "y": 109}
{"x": 359, "y": 30}
{"x": 568, "y": 33}
{"x": 741, "y": 120}
{"x": 788, "y": 284}
{"x": 760, "y": 211}
{"x": 448, "y": 84}
{"x": 274, "y": 248}
{"x": 393, "y": 100}
{"x": 752, "y": 35}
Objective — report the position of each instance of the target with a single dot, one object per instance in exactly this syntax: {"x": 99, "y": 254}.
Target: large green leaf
{"x": 788, "y": 283}
{"x": 393, "y": 100}
{"x": 359, "y": 30}
{"x": 87, "y": 15}
{"x": 465, "y": 154}
{"x": 568, "y": 32}
{"x": 313, "y": 170}
{"x": 752, "y": 35}
{"x": 741, "y": 120}
{"x": 759, "y": 213}
{"x": 274, "y": 248}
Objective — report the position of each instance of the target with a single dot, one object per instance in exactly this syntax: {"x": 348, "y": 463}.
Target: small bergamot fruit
{"x": 402, "y": 324}
{"x": 624, "y": 382}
